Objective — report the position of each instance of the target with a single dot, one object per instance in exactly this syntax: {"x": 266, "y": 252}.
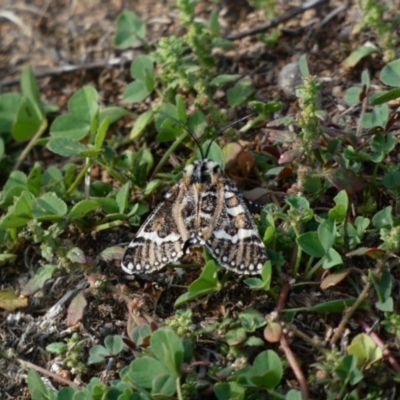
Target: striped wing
{"x": 233, "y": 238}
{"x": 166, "y": 234}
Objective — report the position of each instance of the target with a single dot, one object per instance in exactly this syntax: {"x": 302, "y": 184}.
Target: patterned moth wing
{"x": 165, "y": 235}
{"x": 227, "y": 227}
{"x": 203, "y": 209}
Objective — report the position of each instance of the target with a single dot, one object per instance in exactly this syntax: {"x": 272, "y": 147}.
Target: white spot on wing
{"x": 234, "y": 211}
{"x": 208, "y": 194}
{"x": 241, "y": 234}
{"x": 127, "y": 268}
{"x": 134, "y": 244}
{"x": 205, "y": 215}
{"x": 153, "y": 236}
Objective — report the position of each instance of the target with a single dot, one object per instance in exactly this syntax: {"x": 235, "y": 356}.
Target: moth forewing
{"x": 162, "y": 237}
{"x": 233, "y": 238}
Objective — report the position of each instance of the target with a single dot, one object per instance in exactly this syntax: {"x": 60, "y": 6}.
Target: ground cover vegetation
{"x": 80, "y": 176}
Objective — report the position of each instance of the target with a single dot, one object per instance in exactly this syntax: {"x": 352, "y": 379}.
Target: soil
{"x": 52, "y": 36}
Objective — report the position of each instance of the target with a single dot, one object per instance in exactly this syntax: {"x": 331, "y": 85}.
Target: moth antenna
{"x": 191, "y": 134}
{"x": 224, "y": 129}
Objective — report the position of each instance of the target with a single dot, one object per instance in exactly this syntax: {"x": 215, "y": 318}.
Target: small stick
{"x": 282, "y": 297}
{"x": 67, "y": 69}
{"x": 276, "y": 21}
{"x": 349, "y": 313}
{"x": 305, "y": 393}
{"x": 64, "y": 381}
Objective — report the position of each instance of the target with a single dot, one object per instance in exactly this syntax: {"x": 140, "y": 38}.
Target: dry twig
{"x": 305, "y": 393}
{"x": 276, "y": 21}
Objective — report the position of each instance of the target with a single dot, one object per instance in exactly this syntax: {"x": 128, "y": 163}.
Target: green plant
{"x": 336, "y": 226}
{"x": 44, "y": 196}
{"x": 337, "y": 372}
{"x": 374, "y": 20}
{"x": 29, "y": 122}
{"x": 130, "y": 30}
{"x": 207, "y": 283}
{"x": 269, "y": 6}
{"x": 183, "y": 63}
{"x": 161, "y": 370}
{"x": 72, "y": 353}
{"x": 308, "y": 121}
{"x": 113, "y": 345}
{"x": 182, "y": 323}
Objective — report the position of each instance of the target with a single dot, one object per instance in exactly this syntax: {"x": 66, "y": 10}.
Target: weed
{"x": 338, "y": 223}
{"x": 374, "y": 19}
{"x": 72, "y": 353}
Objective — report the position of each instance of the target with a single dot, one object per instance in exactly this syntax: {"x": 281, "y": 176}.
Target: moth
{"x": 204, "y": 208}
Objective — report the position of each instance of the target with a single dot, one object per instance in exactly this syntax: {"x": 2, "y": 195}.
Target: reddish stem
{"x": 378, "y": 341}
{"x": 48, "y": 373}
{"x": 305, "y": 393}
{"x": 282, "y": 297}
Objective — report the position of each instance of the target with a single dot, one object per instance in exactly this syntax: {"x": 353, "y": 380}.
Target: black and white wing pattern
{"x": 230, "y": 234}
{"x": 203, "y": 209}
{"x": 165, "y": 235}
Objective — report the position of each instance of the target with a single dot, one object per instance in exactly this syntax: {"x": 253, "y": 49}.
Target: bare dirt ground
{"x": 52, "y": 36}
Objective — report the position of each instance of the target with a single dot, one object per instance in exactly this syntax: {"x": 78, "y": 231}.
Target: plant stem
{"x": 315, "y": 342}
{"x": 31, "y": 144}
{"x": 45, "y": 372}
{"x": 305, "y": 393}
{"x": 343, "y": 390}
{"x": 164, "y": 159}
{"x": 350, "y": 311}
{"x": 299, "y": 252}
{"x": 87, "y": 179}
{"x": 310, "y": 273}
{"x": 178, "y": 388}
{"x": 108, "y": 225}
{"x": 79, "y": 178}
{"x": 308, "y": 267}
{"x": 374, "y": 174}
{"x": 362, "y": 113}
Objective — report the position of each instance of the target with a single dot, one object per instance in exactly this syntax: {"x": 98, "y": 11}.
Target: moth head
{"x": 203, "y": 172}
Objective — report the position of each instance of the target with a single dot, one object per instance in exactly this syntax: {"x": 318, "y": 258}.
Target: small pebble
{"x": 289, "y": 79}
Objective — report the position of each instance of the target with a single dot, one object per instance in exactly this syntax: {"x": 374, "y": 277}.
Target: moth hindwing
{"x": 203, "y": 209}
